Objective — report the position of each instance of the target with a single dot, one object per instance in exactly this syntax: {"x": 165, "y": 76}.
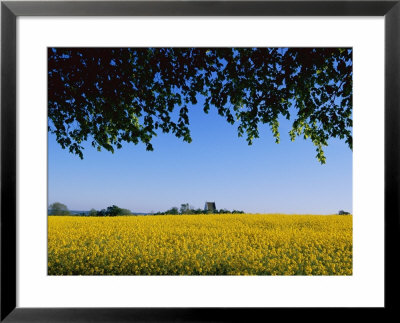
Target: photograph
{"x": 198, "y": 161}
{"x": 182, "y": 161}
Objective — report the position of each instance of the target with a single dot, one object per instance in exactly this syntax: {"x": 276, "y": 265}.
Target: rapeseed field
{"x": 209, "y": 244}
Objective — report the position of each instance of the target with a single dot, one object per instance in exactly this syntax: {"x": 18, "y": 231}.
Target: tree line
{"x": 58, "y": 208}
{"x": 110, "y": 211}
{"x": 189, "y": 209}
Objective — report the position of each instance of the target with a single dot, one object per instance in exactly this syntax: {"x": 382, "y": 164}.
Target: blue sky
{"x": 217, "y": 166}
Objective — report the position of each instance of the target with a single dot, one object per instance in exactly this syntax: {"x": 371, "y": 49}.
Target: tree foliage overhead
{"x": 109, "y": 96}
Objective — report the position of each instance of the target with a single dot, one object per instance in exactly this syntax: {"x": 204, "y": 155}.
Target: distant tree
{"x": 237, "y": 212}
{"x": 126, "y": 212}
{"x": 173, "y": 210}
{"x": 58, "y": 208}
{"x": 113, "y": 211}
{"x": 92, "y": 212}
{"x": 341, "y": 212}
{"x": 184, "y": 208}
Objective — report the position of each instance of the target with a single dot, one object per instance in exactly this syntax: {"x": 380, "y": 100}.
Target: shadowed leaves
{"x": 109, "y": 96}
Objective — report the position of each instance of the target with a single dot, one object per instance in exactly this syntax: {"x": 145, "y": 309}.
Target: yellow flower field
{"x": 219, "y": 244}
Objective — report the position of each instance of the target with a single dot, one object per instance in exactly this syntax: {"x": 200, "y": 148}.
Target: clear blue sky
{"x": 217, "y": 166}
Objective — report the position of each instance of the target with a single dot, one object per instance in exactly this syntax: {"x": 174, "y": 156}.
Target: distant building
{"x": 210, "y": 207}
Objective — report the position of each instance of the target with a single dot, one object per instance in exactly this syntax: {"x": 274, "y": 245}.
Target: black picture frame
{"x": 10, "y": 10}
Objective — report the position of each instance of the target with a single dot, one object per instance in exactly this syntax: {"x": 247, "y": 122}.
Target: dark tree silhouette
{"x": 109, "y": 96}
{"x": 113, "y": 211}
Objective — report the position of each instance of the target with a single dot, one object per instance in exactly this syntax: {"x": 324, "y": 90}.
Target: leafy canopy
{"x": 109, "y": 96}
